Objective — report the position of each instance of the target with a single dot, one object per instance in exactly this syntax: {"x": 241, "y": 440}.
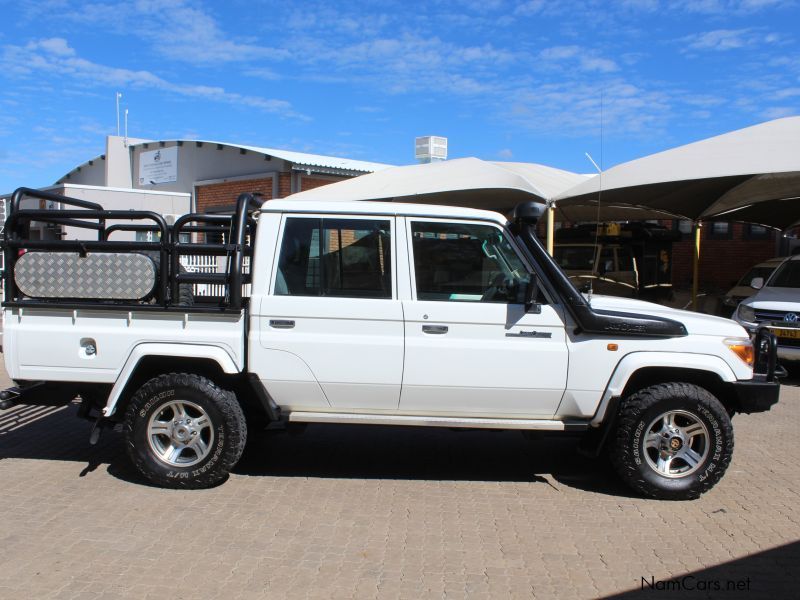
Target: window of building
{"x": 719, "y": 230}
{"x": 335, "y": 257}
{"x": 757, "y": 232}
{"x": 466, "y": 263}
{"x": 683, "y": 226}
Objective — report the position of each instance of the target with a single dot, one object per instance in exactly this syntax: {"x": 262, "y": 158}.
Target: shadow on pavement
{"x": 768, "y": 574}
{"x": 331, "y": 451}
{"x": 420, "y": 453}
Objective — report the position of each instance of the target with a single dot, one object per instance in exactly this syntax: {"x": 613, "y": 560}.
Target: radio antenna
{"x": 599, "y": 196}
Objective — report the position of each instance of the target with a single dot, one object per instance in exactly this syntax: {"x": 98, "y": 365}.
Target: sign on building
{"x": 158, "y": 166}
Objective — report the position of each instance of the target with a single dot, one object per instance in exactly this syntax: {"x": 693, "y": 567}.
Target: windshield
{"x": 575, "y": 258}
{"x": 763, "y": 272}
{"x": 787, "y": 275}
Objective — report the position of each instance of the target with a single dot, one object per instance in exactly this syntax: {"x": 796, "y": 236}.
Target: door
{"x": 470, "y": 346}
{"x": 331, "y": 330}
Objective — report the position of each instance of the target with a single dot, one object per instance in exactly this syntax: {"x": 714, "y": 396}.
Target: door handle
{"x": 281, "y": 323}
{"x": 435, "y": 329}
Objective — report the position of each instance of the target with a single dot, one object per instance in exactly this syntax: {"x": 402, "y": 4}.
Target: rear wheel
{"x": 673, "y": 441}
{"x": 183, "y": 431}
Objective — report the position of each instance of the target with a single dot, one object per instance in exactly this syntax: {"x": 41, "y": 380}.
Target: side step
{"x": 425, "y": 421}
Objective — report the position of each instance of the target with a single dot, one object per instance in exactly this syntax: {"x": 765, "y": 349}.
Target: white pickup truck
{"x": 362, "y": 312}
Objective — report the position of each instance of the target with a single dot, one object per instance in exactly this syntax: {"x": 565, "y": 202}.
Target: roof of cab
{"x": 380, "y": 208}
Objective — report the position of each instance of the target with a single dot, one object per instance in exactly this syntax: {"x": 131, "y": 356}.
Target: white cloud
{"x": 559, "y": 52}
{"x": 720, "y": 39}
{"x": 585, "y": 59}
{"x": 505, "y": 153}
{"x": 778, "y": 112}
{"x": 783, "y": 94}
{"x": 574, "y": 108}
{"x": 55, "y": 56}
{"x": 175, "y": 28}
{"x": 529, "y": 8}
{"x": 726, "y": 7}
{"x": 729, "y": 39}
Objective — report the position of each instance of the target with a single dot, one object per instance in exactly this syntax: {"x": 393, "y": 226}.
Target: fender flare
{"x": 216, "y": 353}
{"x": 633, "y": 362}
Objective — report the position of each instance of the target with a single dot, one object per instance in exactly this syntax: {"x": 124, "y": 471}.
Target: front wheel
{"x": 183, "y": 431}
{"x": 673, "y": 441}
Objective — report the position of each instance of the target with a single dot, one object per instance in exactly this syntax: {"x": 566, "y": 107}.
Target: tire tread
{"x": 224, "y": 400}
{"x": 630, "y": 410}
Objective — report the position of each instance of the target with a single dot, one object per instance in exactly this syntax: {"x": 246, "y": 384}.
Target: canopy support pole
{"x": 551, "y": 215}
{"x": 696, "y": 263}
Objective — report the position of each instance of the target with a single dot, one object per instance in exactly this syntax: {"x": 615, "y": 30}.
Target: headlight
{"x": 746, "y": 313}
{"x": 741, "y": 347}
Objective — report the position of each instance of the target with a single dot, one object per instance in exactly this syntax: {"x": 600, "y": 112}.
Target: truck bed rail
{"x": 224, "y": 236}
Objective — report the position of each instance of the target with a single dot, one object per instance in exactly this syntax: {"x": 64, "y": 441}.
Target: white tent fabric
{"x": 705, "y": 179}
{"x": 467, "y": 182}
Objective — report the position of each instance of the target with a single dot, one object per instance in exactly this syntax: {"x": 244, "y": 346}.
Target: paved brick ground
{"x": 343, "y": 512}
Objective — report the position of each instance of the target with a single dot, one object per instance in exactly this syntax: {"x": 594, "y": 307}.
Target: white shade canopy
{"x": 745, "y": 175}
{"x": 467, "y": 182}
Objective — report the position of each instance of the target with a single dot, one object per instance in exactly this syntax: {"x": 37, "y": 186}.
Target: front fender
{"x": 675, "y": 360}
{"x": 215, "y": 353}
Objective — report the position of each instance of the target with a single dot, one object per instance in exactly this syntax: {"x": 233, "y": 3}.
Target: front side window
{"x": 466, "y": 263}
{"x": 335, "y": 257}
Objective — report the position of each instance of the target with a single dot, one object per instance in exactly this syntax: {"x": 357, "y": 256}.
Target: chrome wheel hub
{"x": 676, "y": 444}
{"x": 180, "y": 433}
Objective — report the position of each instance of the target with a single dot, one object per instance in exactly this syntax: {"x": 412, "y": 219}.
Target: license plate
{"x": 793, "y": 334}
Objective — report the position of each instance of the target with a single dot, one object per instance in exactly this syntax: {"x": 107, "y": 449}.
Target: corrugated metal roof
{"x": 334, "y": 164}
{"x": 316, "y": 160}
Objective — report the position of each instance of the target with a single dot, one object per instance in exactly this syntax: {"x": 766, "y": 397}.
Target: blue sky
{"x": 502, "y": 80}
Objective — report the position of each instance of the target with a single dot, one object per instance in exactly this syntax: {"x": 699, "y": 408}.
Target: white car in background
{"x": 777, "y": 306}
{"x": 743, "y": 290}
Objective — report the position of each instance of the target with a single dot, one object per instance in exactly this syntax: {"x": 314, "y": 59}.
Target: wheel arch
{"x": 149, "y": 360}
{"x": 642, "y": 369}
{"x": 639, "y": 370}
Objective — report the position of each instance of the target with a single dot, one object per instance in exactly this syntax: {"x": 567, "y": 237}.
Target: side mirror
{"x": 531, "y": 293}
{"x": 757, "y": 283}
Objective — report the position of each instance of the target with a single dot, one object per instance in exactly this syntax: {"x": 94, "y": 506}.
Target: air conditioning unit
{"x": 430, "y": 148}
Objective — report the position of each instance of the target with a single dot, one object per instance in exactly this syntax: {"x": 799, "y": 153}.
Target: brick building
{"x": 213, "y": 173}
{"x": 727, "y": 251}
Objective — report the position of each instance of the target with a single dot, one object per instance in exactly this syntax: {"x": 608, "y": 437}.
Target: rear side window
{"x": 348, "y": 258}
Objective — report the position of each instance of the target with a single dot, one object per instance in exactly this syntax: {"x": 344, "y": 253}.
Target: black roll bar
{"x": 23, "y": 192}
{"x": 90, "y": 215}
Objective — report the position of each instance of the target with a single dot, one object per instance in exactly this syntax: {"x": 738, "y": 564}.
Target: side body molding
{"x": 215, "y": 353}
{"x": 669, "y": 360}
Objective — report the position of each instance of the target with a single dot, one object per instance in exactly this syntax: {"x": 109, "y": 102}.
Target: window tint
{"x": 575, "y": 258}
{"x": 763, "y": 272}
{"x": 335, "y": 257}
{"x": 787, "y": 275}
{"x": 606, "y": 263}
{"x": 624, "y": 259}
{"x": 466, "y": 263}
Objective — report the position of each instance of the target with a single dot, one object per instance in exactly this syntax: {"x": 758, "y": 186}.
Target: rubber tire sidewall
{"x": 629, "y": 453}
{"x": 229, "y": 430}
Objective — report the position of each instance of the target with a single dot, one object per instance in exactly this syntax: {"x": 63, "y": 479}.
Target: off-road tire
{"x": 639, "y": 410}
{"x": 227, "y": 423}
